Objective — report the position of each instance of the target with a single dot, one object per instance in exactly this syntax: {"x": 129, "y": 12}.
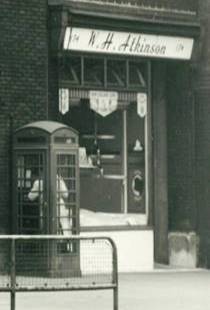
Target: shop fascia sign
{"x": 127, "y": 43}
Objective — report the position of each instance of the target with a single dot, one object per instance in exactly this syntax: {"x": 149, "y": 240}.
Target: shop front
{"x": 112, "y": 88}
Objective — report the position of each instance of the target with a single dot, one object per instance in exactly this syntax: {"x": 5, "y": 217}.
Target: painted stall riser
{"x": 135, "y": 249}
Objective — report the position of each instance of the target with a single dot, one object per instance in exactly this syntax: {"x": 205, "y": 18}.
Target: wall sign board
{"x": 103, "y": 103}
{"x": 142, "y": 104}
{"x": 126, "y": 43}
{"x": 63, "y": 100}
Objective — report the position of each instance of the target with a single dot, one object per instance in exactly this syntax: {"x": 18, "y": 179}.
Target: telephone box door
{"x": 30, "y": 192}
{"x": 66, "y": 183}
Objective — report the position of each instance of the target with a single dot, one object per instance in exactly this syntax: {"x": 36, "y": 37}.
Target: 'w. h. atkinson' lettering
{"x": 133, "y": 44}
{"x": 136, "y": 44}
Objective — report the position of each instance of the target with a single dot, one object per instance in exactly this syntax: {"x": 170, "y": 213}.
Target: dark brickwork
{"x": 23, "y": 79}
{"x": 202, "y": 115}
{"x": 181, "y": 154}
{"x": 53, "y": 89}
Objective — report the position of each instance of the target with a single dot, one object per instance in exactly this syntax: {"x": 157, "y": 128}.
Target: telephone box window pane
{"x": 30, "y": 191}
{"x": 94, "y": 71}
{"x": 67, "y": 172}
{"x": 137, "y": 74}
{"x": 31, "y": 140}
{"x": 64, "y": 140}
{"x": 66, "y": 191}
{"x": 71, "y": 184}
{"x": 66, "y": 160}
{"x": 116, "y": 73}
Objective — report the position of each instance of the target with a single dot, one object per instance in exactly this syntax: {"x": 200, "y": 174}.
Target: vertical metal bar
{"x": 115, "y": 298}
{"x": 125, "y": 163}
{"x": 77, "y": 192}
{"x": 12, "y": 182}
{"x": 105, "y": 73}
{"x": 146, "y": 138}
{"x": 127, "y": 74}
{"x": 82, "y": 71}
{"x": 115, "y": 275}
{"x": 19, "y": 202}
{"x": 148, "y": 150}
{"x": 12, "y": 276}
{"x": 193, "y": 98}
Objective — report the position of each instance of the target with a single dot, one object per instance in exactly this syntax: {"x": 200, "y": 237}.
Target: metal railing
{"x": 57, "y": 263}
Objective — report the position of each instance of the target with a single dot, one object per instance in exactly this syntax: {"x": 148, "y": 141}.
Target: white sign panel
{"x": 63, "y": 100}
{"x": 142, "y": 104}
{"x": 102, "y": 102}
{"x": 125, "y": 43}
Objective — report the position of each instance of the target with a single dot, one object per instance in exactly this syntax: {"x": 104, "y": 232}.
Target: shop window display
{"x": 112, "y": 146}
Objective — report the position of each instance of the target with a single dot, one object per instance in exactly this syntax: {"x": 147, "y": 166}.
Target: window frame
{"x": 105, "y": 85}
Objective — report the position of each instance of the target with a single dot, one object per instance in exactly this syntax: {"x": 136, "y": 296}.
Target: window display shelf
{"x": 114, "y": 176}
{"x": 100, "y": 137}
{"x": 105, "y": 156}
{"x": 87, "y": 167}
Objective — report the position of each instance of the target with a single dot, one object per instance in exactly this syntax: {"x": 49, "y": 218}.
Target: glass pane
{"x": 66, "y": 192}
{"x": 116, "y": 73}
{"x": 136, "y": 161}
{"x": 30, "y": 191}
{"x": 70, "y": 70}
{"x": 137, "y": 74}
{"x": 109, "y": 133}
{"x": 94, "y": 71}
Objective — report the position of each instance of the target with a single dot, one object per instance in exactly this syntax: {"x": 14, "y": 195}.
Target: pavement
{"x": 161, "y": 289}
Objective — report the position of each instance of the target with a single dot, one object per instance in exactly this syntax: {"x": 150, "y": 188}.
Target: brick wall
{"x": 23, "y": 79}
{"x": 180, "y": 133}
{"x": 202, "y": 114}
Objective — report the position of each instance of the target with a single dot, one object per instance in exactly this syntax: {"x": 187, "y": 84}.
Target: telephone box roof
{"x": 48, "y": 126}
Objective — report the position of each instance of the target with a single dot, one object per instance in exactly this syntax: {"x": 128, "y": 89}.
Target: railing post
{"x": 115, "y": 297}
{"x": 12, "y": 275}
{"x": 115, "y": 276}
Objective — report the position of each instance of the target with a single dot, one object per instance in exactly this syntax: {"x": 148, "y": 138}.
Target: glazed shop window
{"x": 70, "y": 70}
{"x": 102, "y": 72}
{"x": 137, "y": 74}
{"x": 93, "y": 72}
{"x": 112, "y": 190}
{"x": 116, "y": 73}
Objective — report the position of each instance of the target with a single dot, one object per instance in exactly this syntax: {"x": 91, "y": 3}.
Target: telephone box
{"x": 46, "y": 185}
